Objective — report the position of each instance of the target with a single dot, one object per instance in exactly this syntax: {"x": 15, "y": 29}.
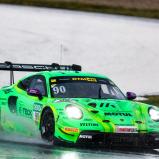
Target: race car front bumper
{"x": 119, "y": 139}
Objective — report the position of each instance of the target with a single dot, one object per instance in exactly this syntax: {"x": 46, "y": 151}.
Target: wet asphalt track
{"x": 11, "y": 150}
{"x": 20, "y": 147}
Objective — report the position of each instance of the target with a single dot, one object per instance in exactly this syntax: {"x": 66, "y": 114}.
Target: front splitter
{"x": 90, "y": 138}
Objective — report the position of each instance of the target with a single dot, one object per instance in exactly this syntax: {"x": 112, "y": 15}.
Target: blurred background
{"x": 147, "y": 8}
{"x": 123, "y": 44}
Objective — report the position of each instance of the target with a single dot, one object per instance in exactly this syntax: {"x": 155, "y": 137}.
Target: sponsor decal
{"x": 37, "y": 107}
{"x": 85, "y": 136}
{"x": 107, "y": 105}
{"x": 40, "y": 67}
{"x": 118, "y": 114}
{"x": 25, "y": 112}
{"x": 64, "y": 100}
{"x": 84, "y": 79}
{"x": 36, "y": 116}
{"x": 69, "y": 129}
{"x": 89, "y": 124}
{"x": 126, "y": 129}
{"x": 53, "y": 80}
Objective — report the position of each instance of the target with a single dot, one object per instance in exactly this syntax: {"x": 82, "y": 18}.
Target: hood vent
{"x": 94, "y": 111}
{"x": 101, "y": 105}
{"x": 139, "y": 122}
{"x": 106, "y": 121}
{"x": 92, "y": 105}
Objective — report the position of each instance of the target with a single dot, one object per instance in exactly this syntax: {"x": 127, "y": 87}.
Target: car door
{"x": 26, "y": 109}
{"x": 29, "y": 107}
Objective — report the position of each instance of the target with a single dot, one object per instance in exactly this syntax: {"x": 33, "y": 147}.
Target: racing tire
{"x": 47, "y": 126}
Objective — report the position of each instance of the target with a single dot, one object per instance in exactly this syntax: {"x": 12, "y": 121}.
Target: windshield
{"x": 84, "y": 87}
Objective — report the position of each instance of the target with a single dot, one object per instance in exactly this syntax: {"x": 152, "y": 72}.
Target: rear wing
{"x": 9, "y": 66}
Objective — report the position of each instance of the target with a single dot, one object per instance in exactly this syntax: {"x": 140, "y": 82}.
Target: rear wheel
{"x": 47, "y": 126}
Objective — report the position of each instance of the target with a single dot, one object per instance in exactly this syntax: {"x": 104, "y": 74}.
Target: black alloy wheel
{"x": 47, "y": 126}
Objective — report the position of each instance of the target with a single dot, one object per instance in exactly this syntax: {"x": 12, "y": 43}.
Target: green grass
{"x": 82, "y": 6}
{"x": 153, "y": 100}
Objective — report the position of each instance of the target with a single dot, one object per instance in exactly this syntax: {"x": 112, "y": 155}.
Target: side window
{"x": 38, "y": 82}
{"x": 24, "y": 84}
{"x": 105, "y": 88}
{"x": 34, "y": 82}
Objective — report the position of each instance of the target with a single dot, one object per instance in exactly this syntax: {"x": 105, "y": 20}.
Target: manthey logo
{"x": 124, "y": 114}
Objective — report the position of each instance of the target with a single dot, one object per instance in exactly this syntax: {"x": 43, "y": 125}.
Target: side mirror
{"x": 130, "y": 95}
{"x": 34, "y": 92}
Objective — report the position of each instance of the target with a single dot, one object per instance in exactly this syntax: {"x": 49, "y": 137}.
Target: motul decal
{"x": 118, "y": 114}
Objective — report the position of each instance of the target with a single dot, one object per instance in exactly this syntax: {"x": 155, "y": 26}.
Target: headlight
{"x": 73, "y": 112}
{"x": 154, "y": 114}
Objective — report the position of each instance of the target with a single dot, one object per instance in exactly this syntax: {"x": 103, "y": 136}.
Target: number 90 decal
{"x": 60, "y": 89}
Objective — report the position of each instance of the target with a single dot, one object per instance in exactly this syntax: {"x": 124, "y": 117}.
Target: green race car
{"x": 63, "y": 104}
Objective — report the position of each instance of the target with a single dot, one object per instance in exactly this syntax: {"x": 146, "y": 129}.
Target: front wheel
{"x": 47, "y": 126}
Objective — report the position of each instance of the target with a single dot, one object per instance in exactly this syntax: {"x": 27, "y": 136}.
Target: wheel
{"x": 47, "y": 126}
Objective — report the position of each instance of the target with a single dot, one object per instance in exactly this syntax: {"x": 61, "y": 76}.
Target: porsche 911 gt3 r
{"x": 64, "y": 104}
